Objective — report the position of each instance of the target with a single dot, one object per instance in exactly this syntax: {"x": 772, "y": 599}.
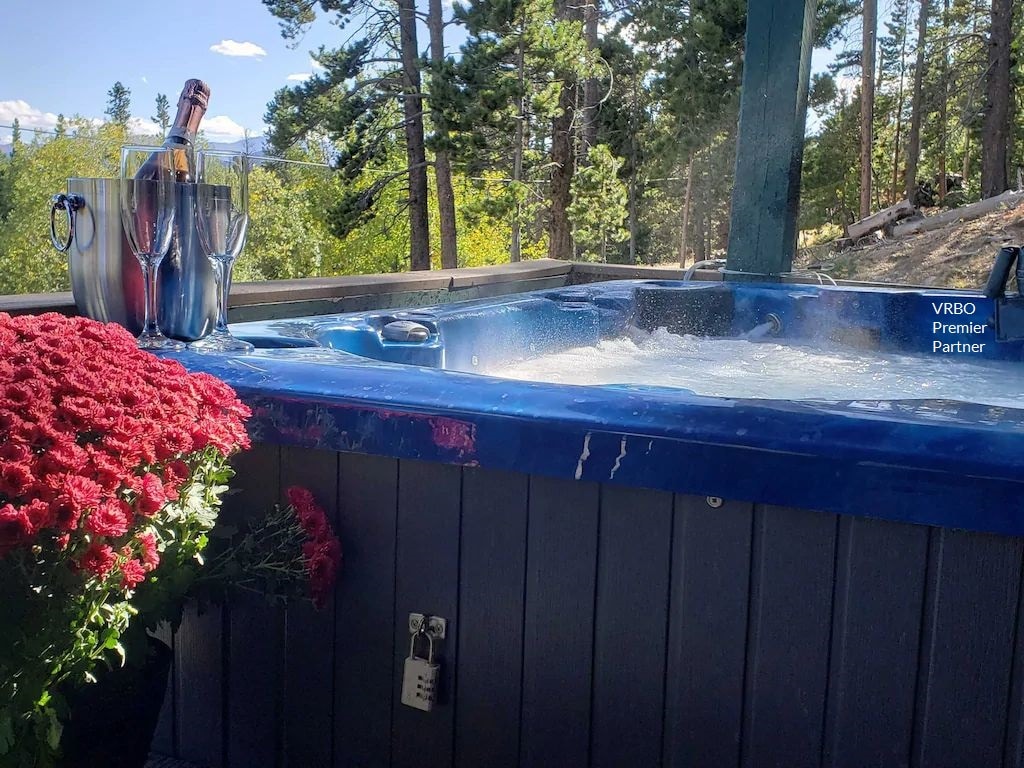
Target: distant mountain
{"x": 257, "y": 145}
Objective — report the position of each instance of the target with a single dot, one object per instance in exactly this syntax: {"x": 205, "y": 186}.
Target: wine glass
{"x": 147, "y": 198}
{"x": 222, "y": 218}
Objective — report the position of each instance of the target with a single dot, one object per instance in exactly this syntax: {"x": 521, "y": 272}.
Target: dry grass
{"x": 959, "y": 255}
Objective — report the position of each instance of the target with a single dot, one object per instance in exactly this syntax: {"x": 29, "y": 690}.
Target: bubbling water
{"x": 745, "y": 369}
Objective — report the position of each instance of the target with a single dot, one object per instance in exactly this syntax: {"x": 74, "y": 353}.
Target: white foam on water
{"x": 766, "y": 369}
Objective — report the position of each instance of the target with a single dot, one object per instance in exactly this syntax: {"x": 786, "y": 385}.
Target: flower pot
{"x": 112, "y": 721}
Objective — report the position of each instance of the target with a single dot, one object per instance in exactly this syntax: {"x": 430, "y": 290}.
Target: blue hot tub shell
{"x": 336, "y": 382}
{"x": 473, "y": 336}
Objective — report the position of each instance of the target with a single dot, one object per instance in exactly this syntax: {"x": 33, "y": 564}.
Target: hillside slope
{"x": 959, "y": 255}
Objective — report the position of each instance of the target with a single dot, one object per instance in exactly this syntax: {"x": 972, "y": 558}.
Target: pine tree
{"x": 512, "y": 76}
{"x": 917, "y": 105}
{"x": 119, "y": 104}
{"x": 440, "y": 76}
{"x": 163, "y": 113}
{"x": 355, "y": 102}
{"x": 15, "y": 136}
{"x": 563, "y": 158}
{"x": 61, "y": 128}
{"x": 867, "y": 103}
{"x": 892, "y": 68}
{"x": 996, "y": 132}
{"x": 598, "y": 207}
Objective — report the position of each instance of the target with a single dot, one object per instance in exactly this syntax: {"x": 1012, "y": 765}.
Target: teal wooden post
{"x": 770, "y": 146}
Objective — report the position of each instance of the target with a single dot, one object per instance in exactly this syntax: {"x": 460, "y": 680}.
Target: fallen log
{"x": 881, "y": 220}
{"x": 963, "y": 213}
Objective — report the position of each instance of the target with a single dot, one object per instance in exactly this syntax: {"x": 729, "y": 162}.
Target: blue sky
{"x": 65, "y": 57}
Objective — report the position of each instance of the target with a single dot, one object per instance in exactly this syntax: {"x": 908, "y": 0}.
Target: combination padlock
{"x": 419, "y": 683}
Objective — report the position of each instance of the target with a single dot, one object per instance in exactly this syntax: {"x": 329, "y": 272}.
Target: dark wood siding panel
{"x": 876, "y": 629}
{"x": 164, "y": 739}
{"x": 199, "y": 676}
{"x": 491, "y": 588}
{"x": 365, "y": 610}
{"x": 1014, "y": 753}
{"x": 707, "y": 633}
{"x": 309, "y": 633}
{"x": 967, "y": 649}
{"x": 559, "y": 623}
{"x": 788, "y": 640}
{"x": 631, "y": 623}
{"x": 255, "y": 640}
{"x": 426, "y": 581}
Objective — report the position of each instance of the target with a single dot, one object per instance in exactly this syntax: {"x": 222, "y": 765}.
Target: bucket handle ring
{"x": 70, "y": 204}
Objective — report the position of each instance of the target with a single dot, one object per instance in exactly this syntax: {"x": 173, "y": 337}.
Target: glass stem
{"x": 150, "y": 267}
{"x": 221, "y": 267}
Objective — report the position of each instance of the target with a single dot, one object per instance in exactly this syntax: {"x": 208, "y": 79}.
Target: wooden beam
{"x": 769, "y": 152}
{"x": 1006, "y": 200}
{"x": 880, "y": 220}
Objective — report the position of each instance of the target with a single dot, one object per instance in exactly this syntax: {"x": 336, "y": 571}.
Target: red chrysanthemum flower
{"x": 322, "y": 560}
{"x": 148, "y": 550}
{"x": 15, "y": 527}
{"x": 151, "y": 496}
{"x": 99, "y": 559}
{"x": 132, "y": 573}
{"x": 111, "y": 518}
{"x": 88, "y": 420}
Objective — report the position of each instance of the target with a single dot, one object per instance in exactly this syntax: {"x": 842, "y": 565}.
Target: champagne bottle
{"x": 192, "y": 103}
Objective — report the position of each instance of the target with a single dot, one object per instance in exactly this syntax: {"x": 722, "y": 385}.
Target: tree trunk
{"x": 442, "y": 165}
{"x": 634, "y": 167}
{"x": 916, "y": 107}
{"x": 591, "y": 86}
{"x": 515, "y": 252}
{"x": 894, "y": 194}
{"x": 965, "y": 171}
{"x": 867, "y": 103}
{"x": 944, "y": 108}
{"x": 563, "y": 160}
{"x": 995, "y": 134}
{"x": 415, "y": 150}
{"x": 687, "y": 199}
{"x": 700, "y": 252}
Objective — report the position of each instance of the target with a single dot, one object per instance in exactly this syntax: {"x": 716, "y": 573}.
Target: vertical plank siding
{"x": 365, "y": 610}
{"x": 594, "y": 625}
{"x": 561, "y": 567}
{"x": 426, "y": 581}
{"x": 492, "y": 584}
{"x": 879, "y": 598}
{"x": 630, "y": 627}
{"x": 711, "y": 550}
{"x": 308, "y": 707}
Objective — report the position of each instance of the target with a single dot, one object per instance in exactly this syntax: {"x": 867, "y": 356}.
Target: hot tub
{"x": 641, "y": 571}
{"x": 446, "y": 395}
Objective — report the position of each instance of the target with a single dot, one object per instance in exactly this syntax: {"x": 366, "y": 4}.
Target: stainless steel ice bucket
{"x": 106, "y": 279}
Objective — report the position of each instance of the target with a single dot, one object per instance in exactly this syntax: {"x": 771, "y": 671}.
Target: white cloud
{"x": 314, "y": 63}
{"x": 142, "y": 126}
{"x": 300, "y": 77}
{"x": 234, "y": 48}
{"x": 27, "y": 117}
{"x": 144, "y": 79}
{"x": 222, "y": 128}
